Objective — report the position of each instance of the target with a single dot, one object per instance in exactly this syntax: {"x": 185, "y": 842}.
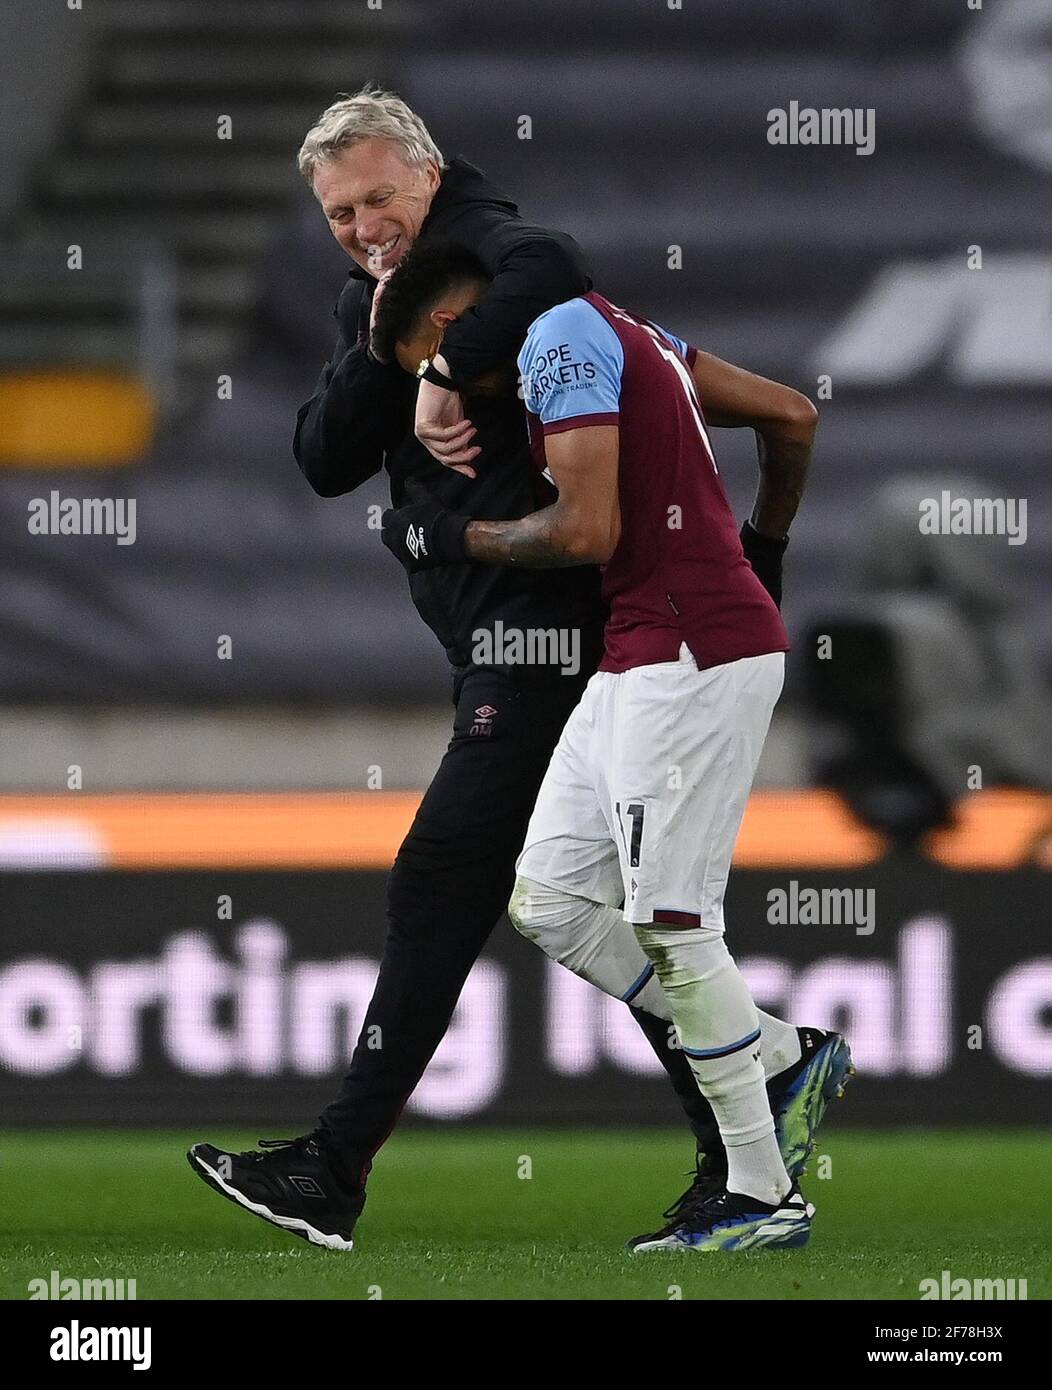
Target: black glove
{"x": 424, "y": 535}
{"x": 765, "y": 553}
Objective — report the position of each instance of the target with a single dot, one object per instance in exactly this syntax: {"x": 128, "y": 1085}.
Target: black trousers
{"x": 449, "y": 886}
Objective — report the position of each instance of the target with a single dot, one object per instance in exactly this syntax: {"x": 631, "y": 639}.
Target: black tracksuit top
{"x": 360, "y": 419}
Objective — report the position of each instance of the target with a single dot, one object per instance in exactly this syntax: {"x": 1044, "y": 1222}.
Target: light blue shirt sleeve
{"x": 571, "y": 364}
{"x": 681, "y": 347}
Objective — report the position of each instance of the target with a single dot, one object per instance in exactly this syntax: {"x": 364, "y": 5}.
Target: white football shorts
{"x": 646, "y": 789}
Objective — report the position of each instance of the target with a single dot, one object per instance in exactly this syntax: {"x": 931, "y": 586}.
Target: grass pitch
{"x": 449, "y": 1217}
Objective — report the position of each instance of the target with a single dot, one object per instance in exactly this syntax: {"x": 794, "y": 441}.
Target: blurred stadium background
{"x": 190, "y": 931}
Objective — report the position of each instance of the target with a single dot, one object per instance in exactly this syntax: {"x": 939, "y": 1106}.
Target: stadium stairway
{"x": 141, "y": 168}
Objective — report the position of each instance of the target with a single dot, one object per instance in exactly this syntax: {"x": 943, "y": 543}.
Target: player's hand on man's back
{"x": 423, "y": 535}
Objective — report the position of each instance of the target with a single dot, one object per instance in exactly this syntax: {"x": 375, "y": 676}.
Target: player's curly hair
{"x": 419, "y": 280}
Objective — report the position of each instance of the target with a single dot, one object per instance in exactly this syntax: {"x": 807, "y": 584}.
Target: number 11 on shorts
{"x": 633, "y": 839}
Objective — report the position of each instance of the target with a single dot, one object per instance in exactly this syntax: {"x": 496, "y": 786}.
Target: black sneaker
{"x": 291, "y": 1185}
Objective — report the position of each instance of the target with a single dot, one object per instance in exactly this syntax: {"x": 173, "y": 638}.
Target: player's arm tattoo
{"x": 784, "y": 461}
{"x": 536, "y": 541}
{"x": 581, "y": 527}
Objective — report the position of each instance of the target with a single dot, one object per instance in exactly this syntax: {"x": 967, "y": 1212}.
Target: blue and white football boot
{"x": 799, "y": 1096}
{"x": 728, "y": 1221}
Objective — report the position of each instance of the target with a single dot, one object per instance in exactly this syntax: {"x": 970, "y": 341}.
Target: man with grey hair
{"x": 379, "y": 176}
{"x": 373, "y": 135}
{"x": 382, "y": 183}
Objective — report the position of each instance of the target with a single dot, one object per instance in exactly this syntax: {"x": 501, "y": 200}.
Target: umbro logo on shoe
{"x": 305, "y": 1186}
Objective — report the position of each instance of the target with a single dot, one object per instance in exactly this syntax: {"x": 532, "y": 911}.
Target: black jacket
{"x": 360, "y": 418}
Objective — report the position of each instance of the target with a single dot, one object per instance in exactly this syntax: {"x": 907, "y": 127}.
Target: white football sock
{"x": 757, "y": 1170}
{"x": 719, "y": 1030}
{"x": 779, "y": 1043}
{"x": 596, "y": 943}
{"x": 589, "y": 938}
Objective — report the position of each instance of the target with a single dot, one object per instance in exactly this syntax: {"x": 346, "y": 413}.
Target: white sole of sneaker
{"x": 286, "y": 1223}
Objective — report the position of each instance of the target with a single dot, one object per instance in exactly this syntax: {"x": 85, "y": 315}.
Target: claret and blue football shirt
{"x": 678, "y": 573}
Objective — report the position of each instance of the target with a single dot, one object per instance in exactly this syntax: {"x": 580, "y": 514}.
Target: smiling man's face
{"x": 375, "y": 202}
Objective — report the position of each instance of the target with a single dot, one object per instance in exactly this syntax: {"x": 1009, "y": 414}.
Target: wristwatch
{"x": 427, "y": 371}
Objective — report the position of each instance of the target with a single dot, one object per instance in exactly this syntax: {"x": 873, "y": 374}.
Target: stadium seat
{"x": 72, "y": 419}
